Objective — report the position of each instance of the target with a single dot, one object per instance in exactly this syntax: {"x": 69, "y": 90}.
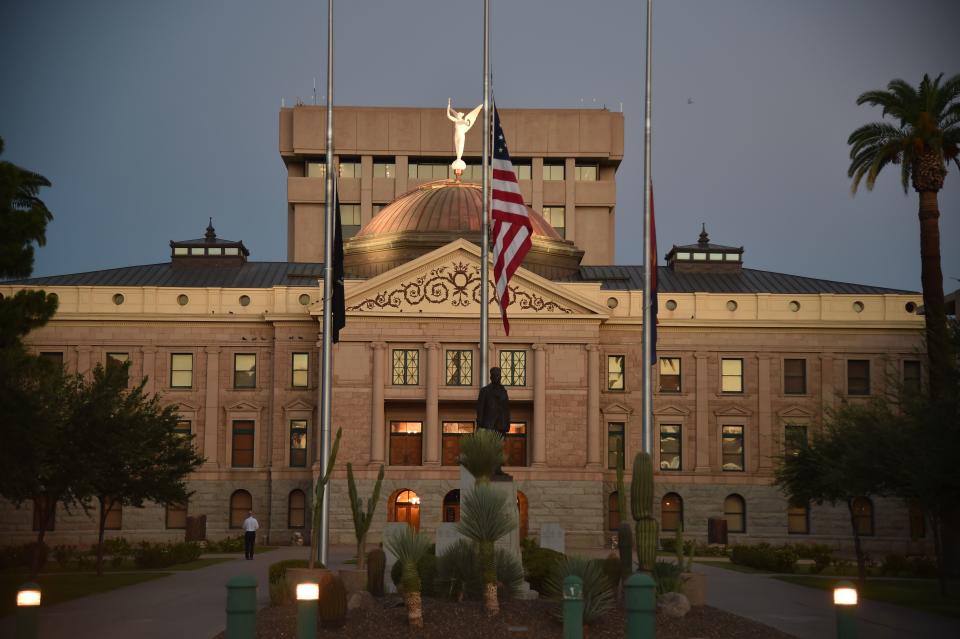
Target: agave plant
{"x": 597, "y": 594}
{"x": 459, "y": 572}
{"x": 481, "y": 453}
{"x": 484, "y": 519}
{"x": 409, "y": 546}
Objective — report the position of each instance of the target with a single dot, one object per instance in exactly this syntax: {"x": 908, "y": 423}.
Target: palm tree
{"x": 925, "y": 138}
{"x": 481, "y": 453}
{"x": 484, "y": 519}
{"x": 409, "y": 546}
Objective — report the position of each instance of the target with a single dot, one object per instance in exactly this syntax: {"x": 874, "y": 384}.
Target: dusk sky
{"x": 148, "y": 117}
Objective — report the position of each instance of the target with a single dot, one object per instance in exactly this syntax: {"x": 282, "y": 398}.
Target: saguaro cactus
{"x": 641, "y": 507}
{"x": 321, "y": 487}
{"x": 361, "y": 519}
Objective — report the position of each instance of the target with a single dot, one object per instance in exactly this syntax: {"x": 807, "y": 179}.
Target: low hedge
{"x": 147, "y": 555}
{"x": 538, "y": 563}
{"x": 765, "y": 557}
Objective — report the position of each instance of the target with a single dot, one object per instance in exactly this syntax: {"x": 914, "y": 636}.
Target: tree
{"x": 484, "y": 519}
{"x": 131, "y": 449}
{"x": 409, "y": 546}
{"x": 925, "y": 138}
{"x": 847, "y": 460}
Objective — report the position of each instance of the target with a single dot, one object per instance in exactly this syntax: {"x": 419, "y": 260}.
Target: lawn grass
{"x": 57, "y": 588}
{"x": 921, "y": 594}
{"x": 729, "y": 565}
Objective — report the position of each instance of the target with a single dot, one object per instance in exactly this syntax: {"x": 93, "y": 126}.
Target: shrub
{"x": 669, "y": 544}
{"x": 426, "y": 568}
{"x": 923, "y": 567}
{"x": 226, "y": 545}
{"x": 666, "y": 574}
{"x": 21, "y": 556}
{"x": 148, "y": 555}
{"x": 597, "y": 594}
{"x": 893, "y": 565}
{"x": 277, "y": 578}
{"x": 537, "y": 563}
{"x": 701, "y": 549}
{"x": 459, "y": 574}
{"x": 765, "y": 557}
{"x": 64, "y": 555}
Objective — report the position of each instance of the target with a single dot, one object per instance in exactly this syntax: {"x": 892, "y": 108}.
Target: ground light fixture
{"x": 845, "y": 600}
{"x": 307, "y": 595}
{"x": 28, "y": 605}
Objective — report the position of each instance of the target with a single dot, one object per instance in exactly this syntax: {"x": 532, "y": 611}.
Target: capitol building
{"x": 748, "y": 360}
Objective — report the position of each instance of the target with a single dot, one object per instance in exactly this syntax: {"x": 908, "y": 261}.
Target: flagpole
{"x": 485, "y": 221}
{"x": 646, "y": 424}
{"x": 326, "y": 386}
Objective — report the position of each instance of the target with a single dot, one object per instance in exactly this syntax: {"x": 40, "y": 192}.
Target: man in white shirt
{"x": 250, "y": 527}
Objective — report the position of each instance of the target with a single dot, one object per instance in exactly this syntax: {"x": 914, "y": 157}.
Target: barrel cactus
{"x": 376, "y": 569}
{"x": 332, "y": 605}
{"x": 625, "y": 548}
{"x": 641, "y": 507}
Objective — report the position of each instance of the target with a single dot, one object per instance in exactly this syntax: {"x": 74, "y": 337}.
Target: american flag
{"x": 511, "y": 224}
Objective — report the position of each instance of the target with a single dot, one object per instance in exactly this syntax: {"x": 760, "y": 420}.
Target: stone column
{"x": 593, "y": 406}
{"x": 703, "y": 419}
{"x": 150, "y": 369}
{"x": 377, "y": 435}
{"x": 570, "y": 198}
{"x": 764, "y": 414}
{"x": 432, "y": 426}
{"x": 211, "y": 415}
{"x": 539, "y": 406}
{"x": 827, "y": 382}
{"x": 83, "y": 359}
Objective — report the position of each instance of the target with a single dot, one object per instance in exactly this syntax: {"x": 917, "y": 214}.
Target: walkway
{"x": 186, "y": 605}
{"x": 807, "y": 613}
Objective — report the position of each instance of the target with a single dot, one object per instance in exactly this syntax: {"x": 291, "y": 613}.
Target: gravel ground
{"x": 517, "y": 619}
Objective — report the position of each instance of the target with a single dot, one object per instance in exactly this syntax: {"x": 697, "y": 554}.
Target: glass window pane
{"x": 587, "y": 172}
{"x": 731, "y": 375}
{"x": 406, "y": 443}
{"x": 794, "y": 376}
{"x": 515, "y": 444}
{"x": 245, "y": 370}
{"x": 513, "y": 368}
{"x": 731, "y": 443}
{"x": 798, "y": 520}
{"x": 243, "y": 442}
{"x": 615, "y": 372}
{"x": 670, "y": 375}
{"x": 459, "y": 367}
{"x": 176, "y": 516}
{"x": 406, "y": 367}
{"x": 858, "y": 377}
{"x": 734, "y": 509}
{"x": 384, "y": 169}
{"x": 296, "y": 509}
{"x": 523, "y": 171}
{"x": 671, "y": 457}
{"x": 181, "y": 370}
{"x": 301, "y": 370}
{"x": 615, "y": 444}
{"x": 671, "y": 512}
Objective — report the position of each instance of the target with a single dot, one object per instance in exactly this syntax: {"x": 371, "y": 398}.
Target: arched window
{"x": 735, "y": 510}
{"x": 241, "y": 503}
{"x": 404, "y": 505}
{"x": 798, "y": 519}
{"x": 296, "y": 509}
{"x": 176, "y": 516}
{"x": 863, "y": 516}
{"x": 671, "y": 512}
{"x": 613, "y": 511}
{"x": 522, "y": 512}
{"x": 451, "y": 506}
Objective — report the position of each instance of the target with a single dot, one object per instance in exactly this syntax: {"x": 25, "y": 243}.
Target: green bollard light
{"x": 307, "y": 596}
{"x": 573, "y": 607}
{"x": 640, "y": 597}
{"x": 242, "y": 607}
{"x": 845, "y": 600}
{"x": 28, "y": 609}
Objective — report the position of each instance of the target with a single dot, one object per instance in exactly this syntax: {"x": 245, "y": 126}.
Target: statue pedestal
{"x": 510, "y": 542}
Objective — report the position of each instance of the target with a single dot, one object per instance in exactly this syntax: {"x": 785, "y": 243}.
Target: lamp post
{"x": 307, "y": 596}
{"x": 28, "y": 607}
{"x": 845, "y": 598}
{"x": 573, "y": 607}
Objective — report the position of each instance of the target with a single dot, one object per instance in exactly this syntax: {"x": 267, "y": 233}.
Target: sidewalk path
{"x": 184, "y": 605}
{"x": 808, "y": 613}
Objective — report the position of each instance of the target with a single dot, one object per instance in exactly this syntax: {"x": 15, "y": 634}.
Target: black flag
{"x": 338, "y": 311}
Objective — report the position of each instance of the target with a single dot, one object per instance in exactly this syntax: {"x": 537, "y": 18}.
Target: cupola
{"x": 208, "y": 250}
{"x": 705, "y": 257}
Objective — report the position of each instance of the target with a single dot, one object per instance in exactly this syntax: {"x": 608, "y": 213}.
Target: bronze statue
{"x": 493, "y": 405}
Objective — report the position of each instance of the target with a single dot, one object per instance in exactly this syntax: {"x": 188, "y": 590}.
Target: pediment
{"x": 242, "y": 407}
{"x": 733, "y": 411}
{"x": 298, "y": 404}
{"x": 672, "y": 411}
{"x": 446, "y": 282}
{"x": 186, "y": 407}
{"x": 616, "y": 408}
{"x": 795, "y": 412}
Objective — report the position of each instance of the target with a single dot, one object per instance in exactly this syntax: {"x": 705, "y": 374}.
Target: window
{"x": 553, "y": 172}
{"x": 118, "y": 360}
{"x": 587, "y": 172}
{"x": 300, "y": 374}
{"x": 384, "y": 169}
{"x": 451, "y": 506}
{"x": 911, "y": 376}
{"x": 671, "y": 447}
{"x": 671, "y": 512}
{"x": 731, "y": 375}
{"x": 54, "y": 357}
{"x": 459, "y": 368}
{"x": 794, "y": 376}
{"x": 406, "y": 443}
{"x": 349, "y": 168}
{"x": 863, "y": 516}
{"x": 316, "y": 169}
{"x": 515, "y": 444}
{"x": 241, "y": 503}
{"x": 423, "y": 171}
{"x": 40, "y": 511}
{"x": 183, "y": 427}
{"x": 670, "y": 375}
{"x": 176, "y": 516}
{"x": 181, "y": 370}
{"x": 114, "y": 520}
{"x": 296, "y": 509}
{"x": 556, "y": 217}
{"x": 613, "y": 511}
{"x": 794, "y": 438}
{"x": 615, "y": 444}
{"x": 349, "y": 220}
{"x": 513, "y": 367}
{"x": 858, "y": 377}
{"x": 798, "y": 519}
{"x": 523, "y": 171}
{"x": 298, "y": 443}
{"x": 406, "y": 367}
{"x": 731, "y": 444}
{"x": 377, "y": 208}
{"x": 616, "y": 372}
{"x": 244, "y": 370}
{"x": 735, "y": 511}
{"x": 450, "y": 446}
{"x": 405, "y": 508}
{"x": 243, "y": 432}
{"x": 918, "y": 523}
